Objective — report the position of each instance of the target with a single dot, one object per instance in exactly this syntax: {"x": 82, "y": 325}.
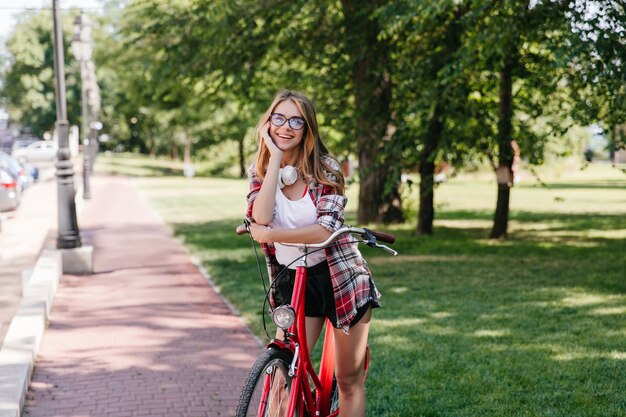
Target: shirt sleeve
{"x": 330, "y": 210}
{"x": 255, "y": 187}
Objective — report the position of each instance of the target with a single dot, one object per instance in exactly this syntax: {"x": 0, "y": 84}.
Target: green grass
{"x": 531, "y": 326}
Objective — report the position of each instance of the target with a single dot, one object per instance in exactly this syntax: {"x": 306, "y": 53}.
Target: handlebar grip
{"x": 384, "y": 237}
{"x": 241, "y": 229}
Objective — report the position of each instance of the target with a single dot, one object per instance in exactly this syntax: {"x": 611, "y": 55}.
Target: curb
{"x": 23, "y": 338}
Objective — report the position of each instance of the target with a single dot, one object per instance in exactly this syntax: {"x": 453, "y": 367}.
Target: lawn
{"x": 531, "y": 326}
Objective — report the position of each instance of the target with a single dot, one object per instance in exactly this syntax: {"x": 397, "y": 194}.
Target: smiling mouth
{"x": 284, "y": 136}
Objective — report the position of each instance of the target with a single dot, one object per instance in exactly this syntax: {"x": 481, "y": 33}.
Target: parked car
{"x": 31, "y": 170}
{"x": 16, "y": 170}
{"x": 9, "y": 191}
{"x": 22, "y": 143}
{"x": 39, "y": 151}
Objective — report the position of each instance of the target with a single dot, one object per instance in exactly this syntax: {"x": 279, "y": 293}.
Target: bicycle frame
{"x": 302, "y": 366}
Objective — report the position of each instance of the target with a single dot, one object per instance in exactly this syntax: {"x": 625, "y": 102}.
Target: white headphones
{"x": 287, "y": 176}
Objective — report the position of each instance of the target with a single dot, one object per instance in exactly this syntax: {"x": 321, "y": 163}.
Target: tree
{"x": 237, "y": 55}
{"x": 372, "y": 89}
{"x": 529, "y": 59}
{"x": 430, "y": 88}
{"x": 597, "y": 73}
{"x": 28, "y": 86}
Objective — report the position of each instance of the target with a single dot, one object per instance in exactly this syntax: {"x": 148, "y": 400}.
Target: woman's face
{"x": 286, "y": 137}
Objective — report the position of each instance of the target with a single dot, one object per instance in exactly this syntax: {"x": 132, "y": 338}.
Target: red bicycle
{"x": 283, "y": 381}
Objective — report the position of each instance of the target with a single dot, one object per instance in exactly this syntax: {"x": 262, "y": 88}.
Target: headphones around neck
{"x": 287, "y": 176}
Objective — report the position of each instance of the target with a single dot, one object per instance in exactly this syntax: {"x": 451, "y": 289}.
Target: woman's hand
{"x": 260, "y": 233}
{"x": 269, "y": 142}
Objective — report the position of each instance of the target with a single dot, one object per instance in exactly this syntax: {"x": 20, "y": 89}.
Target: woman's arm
{"x": 314, "y": 233}
{"x": 263, "y": 208}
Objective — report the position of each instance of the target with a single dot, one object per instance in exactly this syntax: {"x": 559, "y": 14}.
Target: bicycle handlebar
{"x": 365, "y": 233}
{"x": 384, "y": 237}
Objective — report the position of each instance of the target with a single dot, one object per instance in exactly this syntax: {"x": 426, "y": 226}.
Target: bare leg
{"x": 350, "y": 361}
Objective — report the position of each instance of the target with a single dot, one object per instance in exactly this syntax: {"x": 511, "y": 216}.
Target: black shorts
{"x": 319, "y": 294}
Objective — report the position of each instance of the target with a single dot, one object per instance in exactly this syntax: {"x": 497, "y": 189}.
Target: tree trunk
{"x": 372, "y": 98}
{"x": 187, "y": 151}
{"x": 242, "y": 159}
{"x": 174, "y": 150}
{"x": 392, "y": 208}
{"x": 432, "y": 139}
{"x": 501, "y": 218}
{"x": 504, "y": 172}
{"x": 612, "y": 145}
{"x": 426, "y": 214}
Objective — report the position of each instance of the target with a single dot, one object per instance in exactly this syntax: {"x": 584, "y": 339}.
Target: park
{"x": 488, "y": 137}
{"x": 532, "y": 325}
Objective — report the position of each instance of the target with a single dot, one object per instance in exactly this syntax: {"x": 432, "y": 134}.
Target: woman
{"x": 307, "y": 208}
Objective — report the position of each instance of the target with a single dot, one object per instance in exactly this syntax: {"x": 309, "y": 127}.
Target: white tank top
{"x": 290, "y": 215}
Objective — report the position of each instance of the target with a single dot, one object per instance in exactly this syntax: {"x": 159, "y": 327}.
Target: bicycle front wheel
{"x": 266, "y": 390}
{"x": 334, "y": 398}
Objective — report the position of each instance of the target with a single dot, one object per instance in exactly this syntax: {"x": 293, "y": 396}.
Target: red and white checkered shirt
{"x": 351, "y": 277}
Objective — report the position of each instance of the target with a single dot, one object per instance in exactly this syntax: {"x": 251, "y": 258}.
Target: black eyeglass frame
{"x": 287, "y": 121}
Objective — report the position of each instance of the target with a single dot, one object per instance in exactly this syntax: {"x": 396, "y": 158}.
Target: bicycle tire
{"x": 273, "y": 364}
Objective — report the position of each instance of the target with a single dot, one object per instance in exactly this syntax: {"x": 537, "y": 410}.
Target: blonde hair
{"x": 314, "y": 161}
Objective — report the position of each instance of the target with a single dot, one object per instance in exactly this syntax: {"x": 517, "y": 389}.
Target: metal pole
{"x": 85, "y": 131}
{"x": 94, "y": 145}
{"x": 68, "y": 234}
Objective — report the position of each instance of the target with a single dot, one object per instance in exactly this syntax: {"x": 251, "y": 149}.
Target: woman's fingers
{"x": 269, "y": 142}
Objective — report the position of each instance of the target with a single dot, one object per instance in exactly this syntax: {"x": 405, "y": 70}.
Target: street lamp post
{"x": 93, "y": 101}
{"x": 82, "y": 49}
{"x": 68, "y": 233}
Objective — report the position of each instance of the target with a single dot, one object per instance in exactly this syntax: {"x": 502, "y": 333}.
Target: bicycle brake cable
{"x": 258, "y": 264}
{"x": 283, "y": 270}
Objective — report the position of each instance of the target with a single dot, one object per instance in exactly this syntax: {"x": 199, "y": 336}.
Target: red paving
{"x": 145, "y": 335}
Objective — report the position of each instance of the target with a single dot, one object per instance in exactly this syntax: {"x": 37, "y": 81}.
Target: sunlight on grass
{"x": 606, "y": 311}
{"x": 491, "y": 333}
{"x": 441, "y": 315}
{"x": 464, "y": 224}
{"x": 184, "y": 200}
{"x": 587, "y": 299}
{"x": 574, "y": 356}
{"x": 400, "y": 322}
{"x": 575, "y": 193}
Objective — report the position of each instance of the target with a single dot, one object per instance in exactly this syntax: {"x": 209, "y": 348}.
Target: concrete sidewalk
{"x": 21, "y": 240}
{"x": 146, "y": 335}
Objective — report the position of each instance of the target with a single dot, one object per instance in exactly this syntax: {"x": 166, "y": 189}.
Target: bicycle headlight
{"x": 283, "y": 316}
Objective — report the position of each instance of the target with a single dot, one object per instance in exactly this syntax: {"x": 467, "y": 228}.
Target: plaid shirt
{"x": 349, "y": 273}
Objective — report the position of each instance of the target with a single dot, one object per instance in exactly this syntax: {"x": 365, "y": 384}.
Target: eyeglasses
{"x": 296, "y": 123}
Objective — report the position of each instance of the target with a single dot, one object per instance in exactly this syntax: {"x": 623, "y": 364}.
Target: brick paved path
{"x": 144, "y": 336}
